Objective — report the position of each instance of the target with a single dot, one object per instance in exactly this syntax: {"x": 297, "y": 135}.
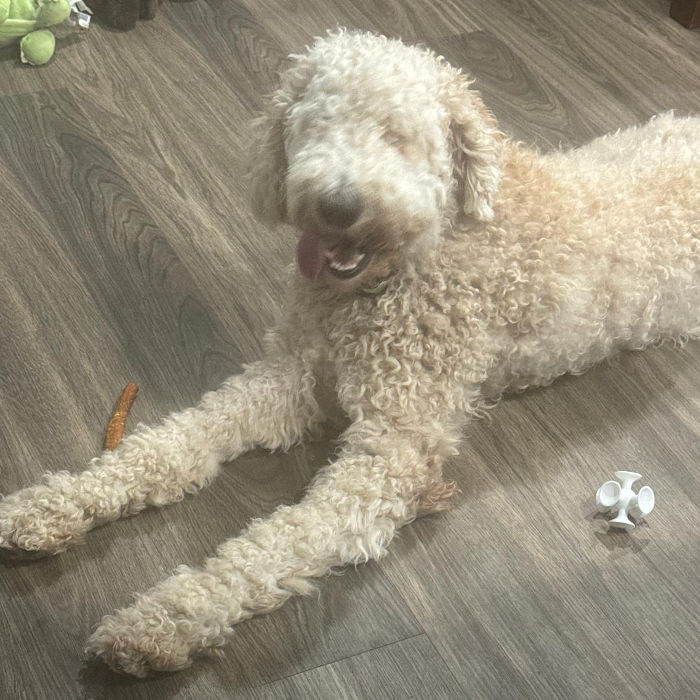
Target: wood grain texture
{"x": 525, "y": 101}
{"x": 408, "y": 669}
{"x": 128, "y": 253}
{"x": 90, "y": 277}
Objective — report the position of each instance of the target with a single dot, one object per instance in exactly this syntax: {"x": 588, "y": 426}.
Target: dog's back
{"x": 594, "y": 250}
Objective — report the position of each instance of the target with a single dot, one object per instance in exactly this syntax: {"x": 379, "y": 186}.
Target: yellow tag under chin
{"x": 377, "y": 289}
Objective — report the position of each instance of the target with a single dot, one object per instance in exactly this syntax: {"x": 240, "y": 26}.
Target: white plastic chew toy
{"x": 613, "y": 497}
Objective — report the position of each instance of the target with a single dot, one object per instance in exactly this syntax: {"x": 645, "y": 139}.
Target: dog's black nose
{"x": 341, "y": 207}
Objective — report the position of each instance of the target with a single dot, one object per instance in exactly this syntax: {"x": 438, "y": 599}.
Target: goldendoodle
{"x": 439, "y": 265}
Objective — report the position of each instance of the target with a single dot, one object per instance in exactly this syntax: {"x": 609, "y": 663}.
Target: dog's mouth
{"x": 346, "y": 263}
{"x": 341, "y": 259}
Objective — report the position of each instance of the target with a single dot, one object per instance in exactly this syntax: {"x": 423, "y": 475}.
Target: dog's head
{"x": 369, "y": 148}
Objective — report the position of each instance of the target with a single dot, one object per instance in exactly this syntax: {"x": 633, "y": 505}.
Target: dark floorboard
{"x": 128, "y": 253}
{"x": 408, "y": 669}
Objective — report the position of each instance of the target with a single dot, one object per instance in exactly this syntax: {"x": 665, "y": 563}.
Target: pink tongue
{"x": 310, "y": 250}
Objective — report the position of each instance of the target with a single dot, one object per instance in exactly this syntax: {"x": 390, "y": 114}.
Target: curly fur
{"x": 506, "y": 269}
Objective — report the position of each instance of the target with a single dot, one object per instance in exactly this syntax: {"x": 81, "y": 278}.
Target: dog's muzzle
{"x": 340, "y": 208}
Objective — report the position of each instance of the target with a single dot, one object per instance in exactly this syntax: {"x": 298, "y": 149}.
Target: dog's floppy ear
{"x": 476, "y": 146}
{"x": 268, "y": 162}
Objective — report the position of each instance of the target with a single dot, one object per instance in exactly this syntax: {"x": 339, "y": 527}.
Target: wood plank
{"x": 408, "y": 669}
{"x": 92, "y": 282}
{"x": 619, "y": 69}
{"x": 629, "y": 54}
{"x": 527, "y": 105}
{"x": 189, "y": 165}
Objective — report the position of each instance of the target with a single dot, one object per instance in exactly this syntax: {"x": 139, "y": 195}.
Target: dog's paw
{"x": 137, "y": 641}
{"x": 184, "y": 616}
{"x": 42, "y": 519}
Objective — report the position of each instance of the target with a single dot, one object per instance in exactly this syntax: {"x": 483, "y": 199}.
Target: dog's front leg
{"x": 349, "y": 515}
{"x": 271, "y": 404}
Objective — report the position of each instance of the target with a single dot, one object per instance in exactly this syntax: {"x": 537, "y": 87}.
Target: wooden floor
{"x": 128, "y": 253}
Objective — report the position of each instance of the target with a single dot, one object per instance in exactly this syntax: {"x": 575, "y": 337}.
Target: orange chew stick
{"x": 115, "y": 428}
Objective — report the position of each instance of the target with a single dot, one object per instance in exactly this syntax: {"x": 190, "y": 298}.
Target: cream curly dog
{"x": 438, "y": 266}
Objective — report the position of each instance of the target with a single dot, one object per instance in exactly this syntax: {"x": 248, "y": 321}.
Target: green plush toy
{"x": 26, "y": 21}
